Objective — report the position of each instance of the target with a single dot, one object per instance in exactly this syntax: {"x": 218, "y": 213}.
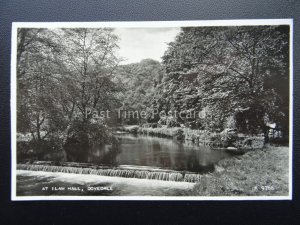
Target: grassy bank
{"x": 256, "y": 173}
{"x": 215, "y": 140}
{"x": 159, "y": 131}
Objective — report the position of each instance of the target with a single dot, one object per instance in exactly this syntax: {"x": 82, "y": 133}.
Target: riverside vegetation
{"x": 256, "y": 173}
{"x": 238, "y": 77}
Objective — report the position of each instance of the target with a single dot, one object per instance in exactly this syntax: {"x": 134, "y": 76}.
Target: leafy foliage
{"x": 62, "y": 73}
{"x": 234, "y": 77}
{"x": 139, "y": 81}
{"x": 240, "y": 71}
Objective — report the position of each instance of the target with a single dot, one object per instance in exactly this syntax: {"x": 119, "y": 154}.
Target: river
{"x": 131, "y": 151}
{"x": 157, "y": 152}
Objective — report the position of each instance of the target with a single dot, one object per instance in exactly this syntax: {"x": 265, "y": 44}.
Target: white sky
{"x": 141, "y": 43}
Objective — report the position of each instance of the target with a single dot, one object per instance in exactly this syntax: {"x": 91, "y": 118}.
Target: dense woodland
{"x": 237, "y": 76}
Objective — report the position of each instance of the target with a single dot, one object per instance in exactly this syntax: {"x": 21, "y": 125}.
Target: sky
{"x": 142, "y": 43}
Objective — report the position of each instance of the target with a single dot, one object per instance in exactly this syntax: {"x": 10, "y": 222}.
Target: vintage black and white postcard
{"x": 181, "y": 110}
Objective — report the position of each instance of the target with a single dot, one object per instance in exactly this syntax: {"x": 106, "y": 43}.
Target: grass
{"x": 263, "y": 172}
{"x": 159, "y": 131}
{"x": 189, "y": 134}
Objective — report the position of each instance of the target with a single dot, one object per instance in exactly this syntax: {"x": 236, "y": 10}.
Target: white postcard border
{"x": 142, "y": 24}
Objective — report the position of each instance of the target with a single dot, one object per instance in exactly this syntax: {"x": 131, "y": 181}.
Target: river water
{"x": 157, "y": 152}
{"x": 131, "y": 151}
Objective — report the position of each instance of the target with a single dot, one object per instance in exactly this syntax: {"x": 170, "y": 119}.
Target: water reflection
{"x": 156, "y": 152}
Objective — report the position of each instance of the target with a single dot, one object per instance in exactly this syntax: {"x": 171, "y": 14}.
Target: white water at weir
{"x": 163, "y": 175}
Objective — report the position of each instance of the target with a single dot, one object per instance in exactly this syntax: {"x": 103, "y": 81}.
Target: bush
{"x": 179, "y": 135}
{"x": 82, "y": 136}
{"x": 217, "y": 141}
{"x": 50, "y": 148}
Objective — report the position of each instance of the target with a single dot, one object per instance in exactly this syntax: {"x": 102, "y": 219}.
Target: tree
{"x": 139, "y": 81}
{"x": 237, "y": 69}
{"x": 63, "y": 74}
{"x": 34, "y": 46}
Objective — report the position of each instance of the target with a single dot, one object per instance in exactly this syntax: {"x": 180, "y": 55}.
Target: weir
{"x": 132, "y": 172}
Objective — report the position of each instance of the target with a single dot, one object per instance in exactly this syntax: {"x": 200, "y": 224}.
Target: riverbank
{"x": 256, "y": 173}
{"x": 164, "y": 131}
{"x": 227, "y": 138}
